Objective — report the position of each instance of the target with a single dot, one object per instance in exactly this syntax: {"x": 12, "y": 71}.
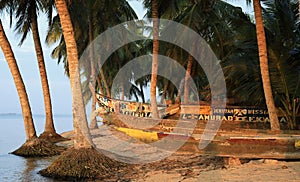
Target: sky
{"x": 59, "y": 83}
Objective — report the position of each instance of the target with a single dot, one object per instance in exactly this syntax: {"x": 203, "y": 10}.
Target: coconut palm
{"x": 92, "y": 85}
{"x": 90, "y": 162}
{"x": 263, "y": 59}
{"x": 242, "y": 69}
{"x": 33, "y": 146}
{"x": 158, "y": 9}
{"x": 26, "y": 15}
{"x": 154, "y": 111}
{"x": 25, "y": 106}
{"x": 282, "y": 37}
{"x": 79, "y": 115}
{"x": 264, "y": 68}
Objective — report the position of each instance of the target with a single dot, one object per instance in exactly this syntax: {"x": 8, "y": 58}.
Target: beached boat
{"x": 244, "y": 131}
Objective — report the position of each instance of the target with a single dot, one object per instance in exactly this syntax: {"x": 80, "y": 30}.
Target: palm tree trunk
{"x": 93, "y": 121}
{"x": 11, "y": 61}
{"x": 187, "y": 78}
{"x": 178, "y": 98}
{"x": 299, "y": 8}
{"x": 154, "y": 111}
{"x": 81, "y": 139}
{"x": 142, "y": 92}
{"x": 49, "y": 125}
{"x": 99, "y": 85}
{"x": 172, "y": 92}
{"x": 122, "y": 91}
{"x": 263, "y": 57}
{"x": 93, "y": 124}
{"x": 164, "y": 93}
{"x": 104, "y": 82}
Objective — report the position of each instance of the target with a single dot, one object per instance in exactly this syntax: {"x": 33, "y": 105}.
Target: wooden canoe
{"x": 228, "y": 142}
{"x": 244, "y": 133}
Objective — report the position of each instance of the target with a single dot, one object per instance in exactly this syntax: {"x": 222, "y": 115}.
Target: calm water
{"x": 12, "y": 136}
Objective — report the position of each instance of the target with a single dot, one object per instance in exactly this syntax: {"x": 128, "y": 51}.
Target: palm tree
{"x": 26, "y": 15}
{"x": 263, "y": 57}
{"x": 154, "y": 111}
{"x": 33, "y": 146}
{"x": 283, "y": 37}
{"x": 243, "y": 75}
{"x": 92, "y": 84}
{"x": 79, "y": 114}
{"x": 90, "y": 162}
{"x": 158, "y": 9}
{"x": 11, "y": 61}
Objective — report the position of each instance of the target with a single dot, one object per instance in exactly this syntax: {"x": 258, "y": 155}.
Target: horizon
{"x": 20, "y": 114}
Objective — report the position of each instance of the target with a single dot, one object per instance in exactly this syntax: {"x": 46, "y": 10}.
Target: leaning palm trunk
{"x": 263, "y": 58}
{"x": 49, "y": 131}
{"x": 11, "y": 61}
{"x": 33, "y": 147}
{"x": 154, "y": 111}
{"x": 104, "y": 82}
{"x": 99, "y": 83}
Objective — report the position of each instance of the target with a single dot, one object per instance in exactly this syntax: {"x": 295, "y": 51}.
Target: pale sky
{"x": 59, "y": 83}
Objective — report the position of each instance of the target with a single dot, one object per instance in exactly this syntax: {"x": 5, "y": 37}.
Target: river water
{"x": 12, "y": 136}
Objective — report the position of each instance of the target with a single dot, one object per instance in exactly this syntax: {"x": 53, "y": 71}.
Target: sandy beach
{"x": 194, "y": 168}
{"x": 255, "y": 170}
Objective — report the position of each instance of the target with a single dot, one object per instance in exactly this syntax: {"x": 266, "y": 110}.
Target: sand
{"x": 195, "y": 168}
{"x": 258, "y": 170}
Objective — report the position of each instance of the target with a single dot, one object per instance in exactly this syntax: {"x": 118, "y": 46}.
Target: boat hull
{"x": 233, "y": 139}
